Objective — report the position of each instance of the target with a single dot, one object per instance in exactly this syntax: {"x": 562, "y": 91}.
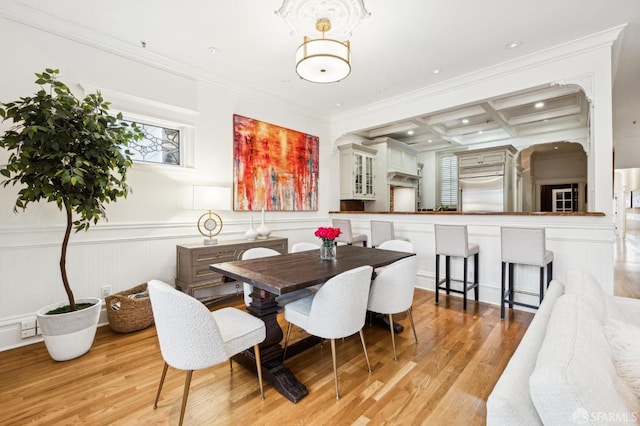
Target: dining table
{"x": 278, "y": 275}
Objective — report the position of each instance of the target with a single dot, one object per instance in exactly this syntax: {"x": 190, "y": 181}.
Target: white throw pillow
{"x": 624, "y": 341}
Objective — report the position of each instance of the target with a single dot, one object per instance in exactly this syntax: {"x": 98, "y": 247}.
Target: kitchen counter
{"x": 579, "y": 240}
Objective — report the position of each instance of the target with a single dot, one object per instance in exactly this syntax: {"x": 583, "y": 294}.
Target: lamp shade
{"x": 211, "y": 198}
{"x": 323, "y": 60}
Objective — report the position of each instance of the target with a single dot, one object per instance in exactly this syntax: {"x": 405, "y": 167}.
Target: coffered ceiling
{"x": 528, "y": 116}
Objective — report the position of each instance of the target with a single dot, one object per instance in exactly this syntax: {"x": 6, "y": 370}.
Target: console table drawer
{"x": 193, "y": 260}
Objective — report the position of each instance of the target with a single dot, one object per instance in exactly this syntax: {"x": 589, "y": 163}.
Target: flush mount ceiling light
{"x": 326, "y": 59}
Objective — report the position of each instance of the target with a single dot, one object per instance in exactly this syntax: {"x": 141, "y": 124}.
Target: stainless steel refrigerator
{"x": 481, "y": 189}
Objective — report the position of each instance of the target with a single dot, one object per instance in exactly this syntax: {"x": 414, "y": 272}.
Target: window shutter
{"x": 449, "y": 180}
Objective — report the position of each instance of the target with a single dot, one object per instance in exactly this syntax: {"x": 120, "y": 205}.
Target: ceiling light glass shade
{"x": 323, "y": 60}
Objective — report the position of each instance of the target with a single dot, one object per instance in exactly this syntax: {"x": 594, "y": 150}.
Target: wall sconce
{"x": 210, "y": 198}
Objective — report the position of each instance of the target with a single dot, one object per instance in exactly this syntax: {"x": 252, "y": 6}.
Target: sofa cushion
{"x": 510, "y": 402}
{"x": 574, "y": 379}
{"x": 584, "y": 285}
{"x": 624, "y": 341}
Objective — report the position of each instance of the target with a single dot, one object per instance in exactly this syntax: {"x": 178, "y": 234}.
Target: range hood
{"x": 396, "y": 178}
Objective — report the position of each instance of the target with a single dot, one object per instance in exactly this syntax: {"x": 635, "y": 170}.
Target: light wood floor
{"x": 444, "y": 379}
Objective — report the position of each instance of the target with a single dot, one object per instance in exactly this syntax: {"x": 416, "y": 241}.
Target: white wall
{"x": 138, "y": 242}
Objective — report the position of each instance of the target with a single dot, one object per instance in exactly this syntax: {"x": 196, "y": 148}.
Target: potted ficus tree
{"x": 68, "y": 151}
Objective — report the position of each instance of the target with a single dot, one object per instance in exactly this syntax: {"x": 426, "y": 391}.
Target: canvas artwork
{"x": 274, "y": 168}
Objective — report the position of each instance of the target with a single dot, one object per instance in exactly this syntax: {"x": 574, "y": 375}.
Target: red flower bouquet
{"x": 327, "y": 249}
{"x": 327, "y": 234}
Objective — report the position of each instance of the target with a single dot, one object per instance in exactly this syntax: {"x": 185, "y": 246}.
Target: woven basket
{"x": 126, "y": 314}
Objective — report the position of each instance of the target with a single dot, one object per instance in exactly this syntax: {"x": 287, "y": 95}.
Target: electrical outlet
{"x": 28, "y": 323}
{"x": 106, "y": 290}
{"x": 28, "y": 333}
{"x": 28, "y": 327}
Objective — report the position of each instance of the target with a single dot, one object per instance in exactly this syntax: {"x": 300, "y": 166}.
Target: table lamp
{"x": 210, "y": 198}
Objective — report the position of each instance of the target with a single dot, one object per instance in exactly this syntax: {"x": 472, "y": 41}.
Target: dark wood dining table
{"x": 279, "y": 275}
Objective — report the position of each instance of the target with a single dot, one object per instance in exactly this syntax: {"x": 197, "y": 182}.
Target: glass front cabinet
{"x": 357, "y": 172}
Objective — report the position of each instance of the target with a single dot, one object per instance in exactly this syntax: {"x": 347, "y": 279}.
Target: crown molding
{"x": 602, "y": 39}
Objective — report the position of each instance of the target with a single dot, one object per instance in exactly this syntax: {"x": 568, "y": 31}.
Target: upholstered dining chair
{"x": 259, "y": 252}
{"x": 453, "y": 241}
{"x": 525, "y": 246}
{"x": 337, "y": 310}
{"x": 304, "y": 246}
{"x": 397, "y": 245}
{"x": 192, "y": 338}
{"x": 392, "y": 292}
{"x": 347, "y": 236}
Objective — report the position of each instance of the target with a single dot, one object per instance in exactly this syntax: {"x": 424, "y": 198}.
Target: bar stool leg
{"x": 511, "y": 274}
{"x": 549, "y": 272}
{"x": 502, "y": 291}
{"x": 464, "y": 282}
{"x": 476, "y": 274}
{"x": 447, "y": 266}
{"x": 437, "y": 277}
{"x": 541, "y": 296}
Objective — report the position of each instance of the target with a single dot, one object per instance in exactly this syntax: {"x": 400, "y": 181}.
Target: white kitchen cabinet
{"x": 357, "y": 172}
{"x": 482, "y": 158}
{"x": 396, "y": 167}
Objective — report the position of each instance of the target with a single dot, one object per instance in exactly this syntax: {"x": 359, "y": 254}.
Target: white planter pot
{"x": 69, "y": 335}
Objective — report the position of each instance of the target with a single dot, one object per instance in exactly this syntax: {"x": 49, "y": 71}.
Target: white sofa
{"x": 564, "y": 371}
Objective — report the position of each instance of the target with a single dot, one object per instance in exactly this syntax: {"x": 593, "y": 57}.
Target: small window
{"x": 158, "y": 145}
{"x": 448, "y": 174}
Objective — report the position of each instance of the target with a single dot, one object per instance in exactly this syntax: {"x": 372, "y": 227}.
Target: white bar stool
{"x": 452, "y": 240}
{"x": 347, "y": 236}
{"x": 524, "y": 246}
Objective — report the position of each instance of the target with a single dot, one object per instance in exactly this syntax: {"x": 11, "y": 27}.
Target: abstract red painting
{"x": 273, "y": 167}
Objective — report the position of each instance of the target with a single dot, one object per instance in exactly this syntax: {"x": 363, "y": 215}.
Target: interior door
{"x": 562, "y": 200}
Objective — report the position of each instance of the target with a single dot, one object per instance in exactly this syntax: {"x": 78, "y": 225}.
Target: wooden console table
{"x": 193, "y": 260}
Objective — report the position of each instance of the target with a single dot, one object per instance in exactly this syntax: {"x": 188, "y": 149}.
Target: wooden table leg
{"x": 265, "y": 307}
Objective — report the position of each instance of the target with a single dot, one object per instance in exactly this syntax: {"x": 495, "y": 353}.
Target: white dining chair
{"x": 257, "y": 253}
{"x": 337, "y": 310}
{"x": 392, "y": 292}
{"x": 192, "y": 338}
{"x": 304, "y": 246}
{"x": 397, "y": 245}
{"x": 347, "y": 236}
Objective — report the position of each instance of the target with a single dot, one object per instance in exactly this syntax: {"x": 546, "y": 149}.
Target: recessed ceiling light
{"x": 539, "y": 104}
{"x": 513, "y": 44}
{"x": 338, "y": 104}
{"x": 465, "y": 121}
{"x": 437, "y": 71}
{"x": 213, "y": 50}
{"x": 479, "y": 132}
{"x": 430, "y": 140}
{"x": 410, "y": 132}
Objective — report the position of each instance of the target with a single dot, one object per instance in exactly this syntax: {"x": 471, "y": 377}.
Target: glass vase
{"x": 328, "y": 250}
